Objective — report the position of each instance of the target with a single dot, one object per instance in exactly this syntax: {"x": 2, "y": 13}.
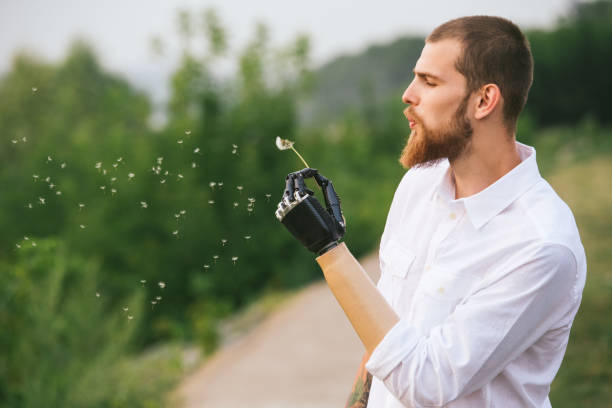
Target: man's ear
{"x": 488, "y": 98}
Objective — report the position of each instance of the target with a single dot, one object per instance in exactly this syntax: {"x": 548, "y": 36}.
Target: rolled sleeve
{"x": 397, "y": 345}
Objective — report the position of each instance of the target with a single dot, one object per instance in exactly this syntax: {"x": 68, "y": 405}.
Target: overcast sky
{"x": 120, "y": 30}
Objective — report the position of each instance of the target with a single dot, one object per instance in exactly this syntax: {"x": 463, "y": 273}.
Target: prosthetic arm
{"x": 319, "y": 230}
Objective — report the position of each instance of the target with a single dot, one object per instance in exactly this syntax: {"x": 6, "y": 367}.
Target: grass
{"x": 585, "y": 375}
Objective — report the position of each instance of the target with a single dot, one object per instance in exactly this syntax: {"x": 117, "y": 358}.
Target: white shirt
{"x": 486, "y": 288}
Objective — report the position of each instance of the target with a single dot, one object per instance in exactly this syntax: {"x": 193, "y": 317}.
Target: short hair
{"x": 494, "y": 51}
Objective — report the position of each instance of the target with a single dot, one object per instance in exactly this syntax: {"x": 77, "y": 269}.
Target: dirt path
{"x": 302, "y": 356}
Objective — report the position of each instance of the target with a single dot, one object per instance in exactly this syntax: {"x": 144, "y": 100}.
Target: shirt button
{"x": 453, "y": 216}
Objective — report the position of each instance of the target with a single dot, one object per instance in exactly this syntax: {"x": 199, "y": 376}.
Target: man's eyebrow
{"x": 426, "y": 75}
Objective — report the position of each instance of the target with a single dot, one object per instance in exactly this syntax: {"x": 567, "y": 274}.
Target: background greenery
{"x": 83, "y": 262}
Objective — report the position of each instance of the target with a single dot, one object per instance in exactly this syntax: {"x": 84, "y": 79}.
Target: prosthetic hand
{"x": 318, "y": 229}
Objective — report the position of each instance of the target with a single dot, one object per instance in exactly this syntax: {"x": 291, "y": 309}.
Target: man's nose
{"x": 409, "y": 97}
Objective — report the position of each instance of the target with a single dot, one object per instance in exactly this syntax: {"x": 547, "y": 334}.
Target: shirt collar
{"x": 483, "y": 206}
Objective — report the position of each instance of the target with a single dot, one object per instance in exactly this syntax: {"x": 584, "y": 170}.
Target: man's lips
{"x": 409, "y": 117}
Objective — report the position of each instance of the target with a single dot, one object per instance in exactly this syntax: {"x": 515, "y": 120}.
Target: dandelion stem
{"x": 300, "y": 156}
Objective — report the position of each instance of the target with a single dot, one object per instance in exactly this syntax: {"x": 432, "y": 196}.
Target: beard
{"x": 427, "y": 147}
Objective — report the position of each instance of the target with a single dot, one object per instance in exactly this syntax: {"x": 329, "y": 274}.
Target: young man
{"x": 482, "y": 264}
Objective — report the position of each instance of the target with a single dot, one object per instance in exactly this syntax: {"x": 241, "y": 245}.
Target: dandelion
{"x": 102, "y": 188}
{"x": 18, "y": 246}
{"x": 15, "y": 141}
{"x": 82, "y": 226}
{"x": 235, "y": 204}
{"x": 26, "y": 238}
{"x": 223, "y": 241}
{"x": 33, "y": 243}
{"x": 160, "y": 160}
{"x": 251, "y": 200}
{"x": 63, "y": 165}
{"x": 247, "y": 237}
{"x": 58, "y": 192}
{"x": 125, "y": 308}
{"x": 234, "y": 151}
{"x": 212, "y": 185}
{"x": 48, "y": 179}
{"x": 211, "y": 202}
{"x": 104, "y": 172}
{"x": 162, "y": 284}
{"x": 144, "y": 204}
{"x": 153, "y": 303}
{"x": 51, "y": 186}
{"x": 188, "y": 132}
{"x": 113, "y": 191}
{"x": 130, "y": 176}
{"x": 166, "y": 173}
{"x": 196, "y": 150}
{"x": 234, "y": 259}
{"x": 250, "y": 210}
{"x": 177, "y": 215}
{"x": 142, "y": 281}
{"x": 175, "y": 232}
{"x": 219, "y": 184}
{"x": 268, "y": 197}
{"x": 97, "y": 294}
{"x": 41, "y": 200}
{"x": 49, "y": 159}
{"x": 215, "y": 257}
{"x": 235, "y": 146}
{"x": 130, "y": 317}
{"x": 180, "y": 176}
{"x": 35, "y": 176}
{"x": 119, "y": 160}
{"x": 239, "y": 188}
{"x": 180, "y": 141}
{"x": 81, "y": 205}
{"x": 29, "y": 205}
{"x": 24, "y": 139}
{"x": 115, "y": 165}
{"x": 34, "y": 89}
{"x": 193, "y": 165}
{"x": 98, "y": 165}
{"x": 113, "y": 179}
{"x": 158, "y": 298}
{"x": 162, "y": 181}
{"x": 183, "y": 212}
{"x": 285, "y": 144}
{"x": 206, "y": 267}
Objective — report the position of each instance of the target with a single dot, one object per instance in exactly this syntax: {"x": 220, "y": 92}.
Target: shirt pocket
{"x": 395, "y": 259}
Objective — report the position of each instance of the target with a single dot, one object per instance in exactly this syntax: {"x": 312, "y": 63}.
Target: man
{"x": 482, "y": 268}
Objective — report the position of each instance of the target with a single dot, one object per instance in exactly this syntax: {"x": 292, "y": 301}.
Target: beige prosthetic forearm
{"x": 369, "y": 313}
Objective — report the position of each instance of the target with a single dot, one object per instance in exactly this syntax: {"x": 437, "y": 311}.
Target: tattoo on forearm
{"x": 361, "y": 392}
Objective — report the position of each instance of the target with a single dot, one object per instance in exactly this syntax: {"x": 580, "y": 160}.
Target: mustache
{"x": 411, "y": 115}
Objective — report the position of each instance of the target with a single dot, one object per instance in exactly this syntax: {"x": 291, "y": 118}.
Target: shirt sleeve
{"x": 484, "y": 333}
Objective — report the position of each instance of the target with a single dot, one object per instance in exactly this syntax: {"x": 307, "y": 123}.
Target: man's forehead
{"x": 438, "y": 59}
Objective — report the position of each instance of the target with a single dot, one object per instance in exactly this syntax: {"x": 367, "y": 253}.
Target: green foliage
{"x": 66, "y": 346}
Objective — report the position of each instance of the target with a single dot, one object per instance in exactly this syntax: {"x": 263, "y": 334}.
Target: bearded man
{"x": 482, "y": 267}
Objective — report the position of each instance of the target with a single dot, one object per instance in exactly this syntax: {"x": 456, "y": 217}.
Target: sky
{"x": 121, "y": 30}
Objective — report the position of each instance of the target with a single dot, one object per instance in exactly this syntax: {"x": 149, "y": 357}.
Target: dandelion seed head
{"x": 251, "y": 199}
{"x": 180, "y": 176}
{"x": 283, "y": 144}
{"x": 175, "y": 232}
{"x": 26, "y": 238}
{"x": 18, "y": 246}
{"x": 183, "y": 212}
{"x": 113, "y": 191}
{"x": 206, "y": 266}
{"x": 196, "y": 150}
{"x": 82, "y": 226}
{"x": 162, "y": 181}
{"x": 34, "y": 89}
{"x": 98, "y": 165}
{"x": 48, "y": 179}
{"x": 29, "y": 205}
{"x": 180, "y": 141}
{"x": 102, "y": 187}
{"x": 49, "y": 159}
{"x": 188, "y": 132}
{"x": 212, "y": 184}
{"x": 160, "y": 160}
{"x": 235, "y": 204}
{"x": 35, "y": 176}
{"x": 247, "y": 237}
{"x": 125, "y": 308}
{"x": 143, "y": 281}
{"x": 119, "y": 160}
{"x": 131, "y": 176}
{"x": 130, "y": 317}
{"x": 63, "y": 165}
{"x": 41, "y": 200}
{"x": 115, "y": 165}
{"x": 161, "y": 284}
{"x": 223, "y": 241}
{"x": 15, "y": 141}
{"x": 97, "y": 294}
{"x": 211, "y": 202}
{"x": 33, "y": 243}
{"x": 143, "y": 204}
{"x": 193, "y": 165}
{"x": 158, "y": 298}
{"x": 113, "y": 179}
{"x": 58, "y": 192}
{"x": 81, "y": 205}
{"x": 235, "y": 146}
{"x": 239, "y": 188}
{"x": 51, "y": 186}
{"x": 24, "y": 139}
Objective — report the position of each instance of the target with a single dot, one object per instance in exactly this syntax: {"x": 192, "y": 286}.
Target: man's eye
{"x": 429, "y": 83}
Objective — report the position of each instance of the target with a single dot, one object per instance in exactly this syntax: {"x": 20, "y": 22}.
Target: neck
{"x": 487, "y": 159}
